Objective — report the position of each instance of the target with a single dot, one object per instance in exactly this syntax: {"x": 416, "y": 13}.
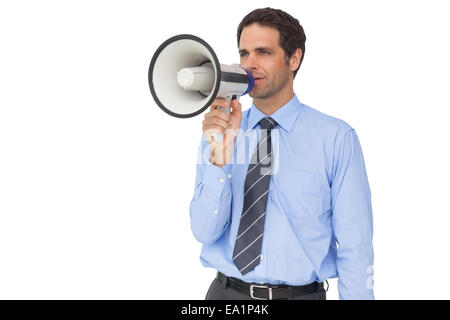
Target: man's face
{"x": 262, "y": 56}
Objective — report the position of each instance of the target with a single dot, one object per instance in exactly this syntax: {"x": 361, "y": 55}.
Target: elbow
{"x": 207, "y": 226}
{"x": 202, "y": 235}
{"x": 204, "y": 239}
{"x": 200, "y": 228}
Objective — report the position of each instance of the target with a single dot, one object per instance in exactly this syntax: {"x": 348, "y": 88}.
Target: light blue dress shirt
{"x": 318, "y": 222}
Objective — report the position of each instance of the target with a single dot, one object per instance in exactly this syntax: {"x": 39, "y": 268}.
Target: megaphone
{"x": 185, "y": 77}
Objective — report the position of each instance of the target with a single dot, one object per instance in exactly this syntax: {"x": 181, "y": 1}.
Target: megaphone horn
{"x": 185, "y": 77}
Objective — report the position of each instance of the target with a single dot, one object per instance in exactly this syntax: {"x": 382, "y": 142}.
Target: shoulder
{"x": 322, "y": 120}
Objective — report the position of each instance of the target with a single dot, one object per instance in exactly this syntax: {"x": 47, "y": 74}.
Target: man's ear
{"x": 295, "y": 59}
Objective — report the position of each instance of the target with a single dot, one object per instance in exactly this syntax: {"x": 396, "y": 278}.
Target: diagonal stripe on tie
{"x": 247, "y": 248}
{"x": 251, "y": 265}
{"x": 250, "y": 188}
{"x": 245, "y": 231}
{"x": 259, "y": 200}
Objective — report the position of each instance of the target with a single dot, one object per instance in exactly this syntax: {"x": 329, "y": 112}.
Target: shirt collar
{"x": 285, "y": 116}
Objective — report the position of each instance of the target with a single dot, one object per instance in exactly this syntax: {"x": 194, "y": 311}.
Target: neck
{"x": 271, "y": 104}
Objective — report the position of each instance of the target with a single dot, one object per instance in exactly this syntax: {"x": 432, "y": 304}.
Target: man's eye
{"x": 244, "y": 55}
{"x": 265, "y": 52}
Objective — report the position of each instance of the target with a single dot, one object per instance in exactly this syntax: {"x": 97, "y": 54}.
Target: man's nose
{"x": 251, "y": 63}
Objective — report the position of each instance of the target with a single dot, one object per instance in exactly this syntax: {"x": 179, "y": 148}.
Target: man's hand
{"x": 228, "y": 125}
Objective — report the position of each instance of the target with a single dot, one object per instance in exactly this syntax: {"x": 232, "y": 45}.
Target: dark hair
{"x": 291, "y": 32}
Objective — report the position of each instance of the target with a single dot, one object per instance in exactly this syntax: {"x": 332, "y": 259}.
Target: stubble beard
{"x": 270, "y": 90}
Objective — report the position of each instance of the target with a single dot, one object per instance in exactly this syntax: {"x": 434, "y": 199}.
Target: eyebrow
{"x": 256, "y": 49}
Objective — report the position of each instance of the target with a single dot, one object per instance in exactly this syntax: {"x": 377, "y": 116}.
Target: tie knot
{"x": 267, "y": 123}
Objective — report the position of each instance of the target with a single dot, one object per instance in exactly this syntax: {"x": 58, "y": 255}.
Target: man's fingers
{"x": 219, "y": 102}
{"x": 216, "y": 121}
{"x": 237, "y": 107}
{"x": 217, "y": 113}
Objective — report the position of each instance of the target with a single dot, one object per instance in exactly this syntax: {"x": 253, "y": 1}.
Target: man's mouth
{"x": 258, "y": 79}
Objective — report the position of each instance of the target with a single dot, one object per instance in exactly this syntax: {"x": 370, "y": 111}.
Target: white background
{"x": 96, "y": 180}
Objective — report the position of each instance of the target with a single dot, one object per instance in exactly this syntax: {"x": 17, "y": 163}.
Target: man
{"x": 294, "y": 209}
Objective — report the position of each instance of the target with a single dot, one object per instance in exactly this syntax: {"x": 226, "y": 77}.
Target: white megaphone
{"x": 185, "y": 77}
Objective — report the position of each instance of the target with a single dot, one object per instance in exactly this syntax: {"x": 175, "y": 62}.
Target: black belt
{"x": 268, "y": 292}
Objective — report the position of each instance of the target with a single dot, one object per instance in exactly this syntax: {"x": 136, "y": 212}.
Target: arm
{"x": 210, "y": 208}
{"x": 352, "y": 218}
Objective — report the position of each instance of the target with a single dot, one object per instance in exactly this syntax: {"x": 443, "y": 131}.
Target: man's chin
{"x": 257, "y": 95}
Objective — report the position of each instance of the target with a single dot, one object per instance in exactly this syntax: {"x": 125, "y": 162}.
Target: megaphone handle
{"x": 218, "y": 137}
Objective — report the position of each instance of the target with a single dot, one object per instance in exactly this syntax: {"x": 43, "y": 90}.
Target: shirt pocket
{"x": 298, "y": 193}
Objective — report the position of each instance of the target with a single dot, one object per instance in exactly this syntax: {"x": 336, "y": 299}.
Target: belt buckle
{"x": 252, "y": 286}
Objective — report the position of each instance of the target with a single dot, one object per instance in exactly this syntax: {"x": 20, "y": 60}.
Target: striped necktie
{"x": 247, "y": 248}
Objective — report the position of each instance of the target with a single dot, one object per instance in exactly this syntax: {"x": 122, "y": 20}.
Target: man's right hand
{"x": 228, "y": 125}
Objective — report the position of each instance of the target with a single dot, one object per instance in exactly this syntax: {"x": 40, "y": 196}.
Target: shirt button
{"x": 216, "y": 211}
{"x": 221, "y": 180}
{"x": 229, "y": 176}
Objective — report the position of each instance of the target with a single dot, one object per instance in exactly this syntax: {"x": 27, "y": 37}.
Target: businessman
{"x": 283, "y": 203}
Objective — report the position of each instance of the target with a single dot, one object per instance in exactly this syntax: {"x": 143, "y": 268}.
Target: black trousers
{"x": 218, "y": 291}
